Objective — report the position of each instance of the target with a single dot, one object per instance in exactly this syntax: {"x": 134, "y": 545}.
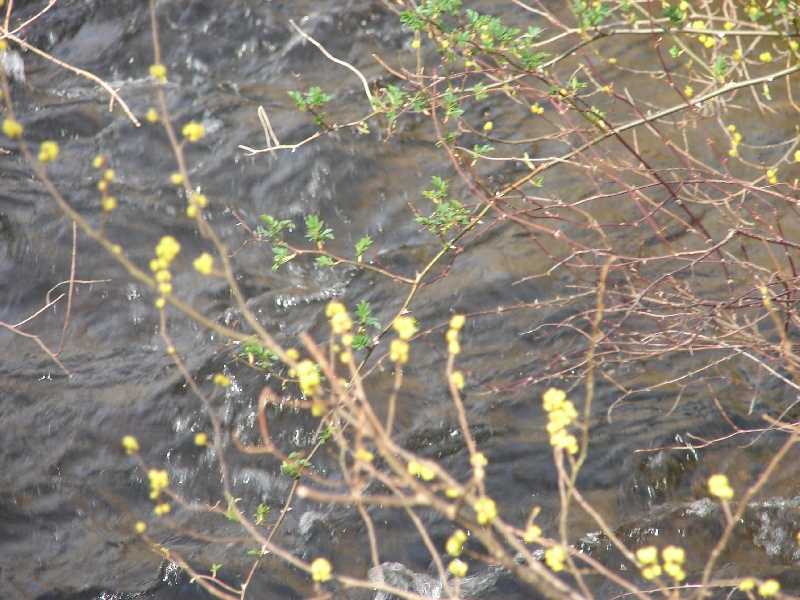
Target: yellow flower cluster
{"x": 159, "y": 481}
{"x": 554, "y": 558}
{"x": 772, "y": 176}
{"x": 204, "y": 263}
{"x": 424, "y": 471}
{"x": 193, "y": 131}
{"x": 561, "y": 413}
{"x": 456, "y": 323}
{"x": 222, "y": 380}
{"x": 308, "y": 377}
{"x": 166, "y": 250}
{"x": 341, "y": 322}
{"x": 457, "y": 567}
{"x": 196, "y": 201}
{"x": 455, "y": 543}
{"x": 769, "y": 588}
{"x": 159, "y": 71}
{"x": 321, "y": 569}
{"x": 48, "y": 151}
{"x": 478, "y": 463}
{"x": 12, "y": 128}
{"x": 485, "y": 510}
{"x": 107, "y": 203}
{"x": 673, "y": 558}
{"x": 130, "y": 444}
{"x": 736, "y": 139}
{"x": 406, "y": 327}
{"x": 719, "y": 487}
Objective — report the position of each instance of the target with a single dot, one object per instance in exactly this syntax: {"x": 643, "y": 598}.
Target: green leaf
{"x": 325, "y": 261}
{"x": 232, "y": 513}
{"x": 316, "y": 232}
{"x": 362, "y": 245}
{"x": 281, "y": 256}
{"x": 364, "y": 313}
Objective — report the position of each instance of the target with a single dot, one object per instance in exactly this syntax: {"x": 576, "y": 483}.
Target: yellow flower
{"x": 200, "y": 439}
{"x": 651, "y": 571}
{"x": 532, "y": 533}
{"x": 199, "y": 200}
{"x": 12, "y": 128}
{"x": 688, "y": 91}
{"x": 728, "y": 25}
{"x": 99, "y": 161}
{"x": 109, "y": 174}
{"x": 698, "y": 25}
{"x": 485, "y": 510}
{"x": 151, "y": 115}
{"x": 555, "y": 557}
{"x": 108, "y": 203}
{"x": 769, "y": 588}
{"x": 488, "y": 126}
{"x": 321, "y": 569}
{"x": 647, "y": 555}
{"x": 478, "y": 460}
{"x": 675, "y": 571}
{"x": 457, "y": 567}
{"x": 772, "y": 176}
{"x": 415, "y": 44}
{"x": 308, "y": 376}
{"x": 737, "y": 55}
{"x": 204, "y": 263}
{"x": 553, "y": 399}
{"x": 455, "y": 543}
{"x": 168, "y": 248}
{"x": 130, "y": 444}
{"x": 159, "y": 480}
{"x": 747, "y": 584}
{"x": 398, "y": 351}
{"x": 48, "y": 151}
{"x": 797, "y": 156}
{"x": 457, "y": 322}
{"x": 193, "y": 131}
{"x": 176, "y": 179}
{"x": 674, "y": 554}
{"x": 457, "y": 379}
{"x": 161, "y": 508}
{"x": 765, "y": 57}
{"x": 141, "y": 527}
{"x": 405, "y": 326}
{"x": 159, "y": 71}
{"x": 718, "y": 486}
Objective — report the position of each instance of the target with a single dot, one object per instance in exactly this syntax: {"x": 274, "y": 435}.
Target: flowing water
{"x": 67, "y": 491}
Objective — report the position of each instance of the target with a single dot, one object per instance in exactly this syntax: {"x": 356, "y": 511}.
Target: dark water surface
{"x": 69, "y": 495}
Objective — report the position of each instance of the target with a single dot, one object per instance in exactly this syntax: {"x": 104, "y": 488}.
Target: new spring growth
{"x": 455, "y": 543}
{"x": 321, "y": 569}
{"x": 561, "y": 413}
{"x": 130, "y": 444}
{"x": 719, "y": 487}
{"x": 48, "y": 151}
{"x": 339, "y": 319}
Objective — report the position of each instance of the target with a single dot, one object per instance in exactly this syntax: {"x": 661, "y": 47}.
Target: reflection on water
{"x": 69, "y": 494}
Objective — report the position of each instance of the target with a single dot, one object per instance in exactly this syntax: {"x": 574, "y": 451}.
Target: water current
{"x": 68, "y": 493}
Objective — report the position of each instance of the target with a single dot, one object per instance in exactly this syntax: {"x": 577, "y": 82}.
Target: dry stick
{"x": 71, "y": 286}
{"x": 332, "y": 58}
